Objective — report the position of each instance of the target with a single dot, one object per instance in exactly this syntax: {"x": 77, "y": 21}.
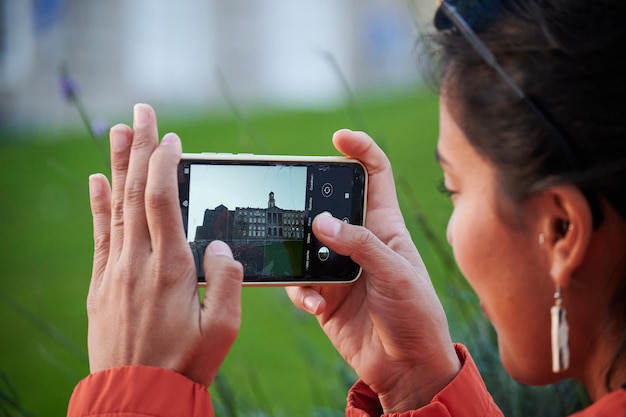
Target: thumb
{"x": 221, "y": 315}
{"x": 360, "y": 244}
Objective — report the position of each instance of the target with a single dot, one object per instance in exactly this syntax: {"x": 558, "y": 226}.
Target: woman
{"x": 532, "y": 145}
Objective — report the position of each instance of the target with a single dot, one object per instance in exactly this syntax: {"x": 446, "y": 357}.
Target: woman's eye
{"x": 444, "y": 190}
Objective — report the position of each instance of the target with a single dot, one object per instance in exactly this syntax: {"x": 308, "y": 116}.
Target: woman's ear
{"x": 566, "y": 224}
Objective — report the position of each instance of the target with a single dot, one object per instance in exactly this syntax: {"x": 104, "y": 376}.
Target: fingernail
{"x": 141, "y": 114}
{"x": 119, "y": 138}
{"x": 217, "y": 247}
{"x": 95, "y": 186}
{"x": 312, "y": 303}
{"x": 170, "y": 139}
{"x": 328, "y": 225}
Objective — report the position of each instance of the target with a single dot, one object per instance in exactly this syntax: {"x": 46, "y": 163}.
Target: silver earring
{"x": 542, "y": 239}
{"x": 560, "y": 334}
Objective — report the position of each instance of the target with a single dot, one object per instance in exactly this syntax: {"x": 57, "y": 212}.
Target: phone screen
{"x": 264, "y": 210}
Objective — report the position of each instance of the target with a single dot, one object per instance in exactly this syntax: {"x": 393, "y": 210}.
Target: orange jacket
{"x": 466, "y": 396}
{"x": 132, "y": 391}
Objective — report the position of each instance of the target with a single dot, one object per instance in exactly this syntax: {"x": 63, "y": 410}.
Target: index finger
{"x": 381, "y": 187}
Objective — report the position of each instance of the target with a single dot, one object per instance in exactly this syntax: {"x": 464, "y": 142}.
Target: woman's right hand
{"x": 389, "y": 325}
{"x": 143, "y": 303}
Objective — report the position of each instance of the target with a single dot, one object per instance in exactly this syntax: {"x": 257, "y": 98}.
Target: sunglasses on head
{"x": 479, "y": 14}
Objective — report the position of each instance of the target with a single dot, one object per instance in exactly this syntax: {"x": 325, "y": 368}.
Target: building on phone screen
{"x": 251, "y": 223}
{"x": 253, "y": 233}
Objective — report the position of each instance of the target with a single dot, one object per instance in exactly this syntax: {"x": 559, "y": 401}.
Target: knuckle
{"x": 228, "y": 324}
{"x": 117, "y": 210}
{"x": 156, "y": 198}
{"x": 236, "y": 269}
{"x": 128, "y": 267}
{"x": 163, "y": 274}
{"x": 171, "y": 269}
{"x": 143, "y": 142}
{"x": 101, "y": 242}
{"x": 231, "y": 269}
{"x": 95, "y": 300}
{"x": 231, "y": 328}
{"x": 91, "y": 306}
{"x": 135, "y": 191}
{"x": 118, "y": 162}
{"x": 99, "y": 208}
{"x": 363, "y": 238}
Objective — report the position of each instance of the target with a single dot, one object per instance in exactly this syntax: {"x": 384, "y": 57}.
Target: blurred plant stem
{"x": 258, "y": 143}
{"x": 353, "y": 107}
{"x": 10, "y": 404}
{"x": 97, "y": 128}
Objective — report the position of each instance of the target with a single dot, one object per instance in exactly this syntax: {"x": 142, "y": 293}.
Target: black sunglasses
{"x": 481, "y": 13}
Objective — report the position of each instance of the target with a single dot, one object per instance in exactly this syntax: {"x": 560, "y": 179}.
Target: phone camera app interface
{"x": 335, "y": 189}
{"x": 264, "y": 212}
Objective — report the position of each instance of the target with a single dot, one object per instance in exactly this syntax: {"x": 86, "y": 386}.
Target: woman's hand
{"x": 389, "y": 325}
{"x": 143, "y": 302}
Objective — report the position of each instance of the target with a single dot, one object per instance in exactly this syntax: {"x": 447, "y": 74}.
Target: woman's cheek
{"x": 455, "y": 239}
{"x": 461, "y": 235}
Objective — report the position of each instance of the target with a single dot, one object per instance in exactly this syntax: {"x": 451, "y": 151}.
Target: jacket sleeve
{"x": 465, "y": 396}
{"x": 139, "y": 391}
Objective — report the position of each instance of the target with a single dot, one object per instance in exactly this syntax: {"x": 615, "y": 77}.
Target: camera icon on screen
{"x": 327, "y": 189}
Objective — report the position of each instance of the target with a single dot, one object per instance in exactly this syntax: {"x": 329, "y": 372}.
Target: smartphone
{"x": 263, "y": 206}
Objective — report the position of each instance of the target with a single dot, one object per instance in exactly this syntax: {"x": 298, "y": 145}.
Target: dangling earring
{"x": 560, "y": 334}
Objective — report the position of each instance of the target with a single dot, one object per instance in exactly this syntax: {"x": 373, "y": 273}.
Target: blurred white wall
{"x": 281, "y": 52}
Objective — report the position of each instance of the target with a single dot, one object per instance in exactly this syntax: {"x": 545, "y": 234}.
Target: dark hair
{"x": 569, "y": 57}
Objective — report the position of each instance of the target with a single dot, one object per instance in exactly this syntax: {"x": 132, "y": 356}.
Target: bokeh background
{"x": 260, "y": 76}
{"x": 184, "y": 54}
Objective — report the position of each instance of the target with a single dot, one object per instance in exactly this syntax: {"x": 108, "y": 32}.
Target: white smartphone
{"x": 263, "y": 206}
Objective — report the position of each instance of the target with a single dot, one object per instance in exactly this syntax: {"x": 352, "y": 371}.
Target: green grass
{"x": 281, "y": 363}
